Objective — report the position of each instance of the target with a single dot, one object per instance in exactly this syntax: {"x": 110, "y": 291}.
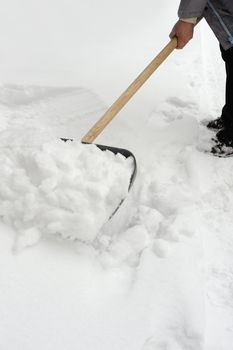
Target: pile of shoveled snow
{"x": 64, "y": 188}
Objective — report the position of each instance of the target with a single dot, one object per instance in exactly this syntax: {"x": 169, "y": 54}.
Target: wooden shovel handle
{"x": 129, "y": 92}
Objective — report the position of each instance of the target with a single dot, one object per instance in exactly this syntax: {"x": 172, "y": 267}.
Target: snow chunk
{"x": 61, "y": 188}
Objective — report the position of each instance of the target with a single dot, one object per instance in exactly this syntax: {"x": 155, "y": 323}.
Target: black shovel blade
{"x": 126, "y": 154}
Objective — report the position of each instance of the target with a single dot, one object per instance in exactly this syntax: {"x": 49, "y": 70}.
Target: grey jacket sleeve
{"x": 191, "y": 8}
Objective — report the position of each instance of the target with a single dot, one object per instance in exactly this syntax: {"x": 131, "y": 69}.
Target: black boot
{"x": 224, "y": 143}
{"x": 225, "y": 136}
{"x": 216, "y": 124}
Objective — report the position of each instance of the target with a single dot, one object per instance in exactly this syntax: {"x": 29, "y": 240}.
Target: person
{"x": 219, "y": 16}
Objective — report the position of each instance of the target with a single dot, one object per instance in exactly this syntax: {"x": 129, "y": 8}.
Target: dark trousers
{"x": 227, "y": 111}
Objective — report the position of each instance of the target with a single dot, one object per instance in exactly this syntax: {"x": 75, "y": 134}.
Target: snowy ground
{"x": 161, "y": 278}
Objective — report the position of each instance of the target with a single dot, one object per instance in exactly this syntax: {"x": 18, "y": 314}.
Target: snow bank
{"x": 64, "y": 188}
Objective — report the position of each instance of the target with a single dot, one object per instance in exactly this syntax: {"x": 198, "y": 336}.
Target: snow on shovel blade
{"x": 125, "y": 153}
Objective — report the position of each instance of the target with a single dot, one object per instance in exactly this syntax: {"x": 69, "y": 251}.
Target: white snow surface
{"x": 160, "y": 275}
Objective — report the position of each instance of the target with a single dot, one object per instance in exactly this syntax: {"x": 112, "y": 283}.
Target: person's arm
{"x": 189, "y": 11}
{"x": 191, "y": 8}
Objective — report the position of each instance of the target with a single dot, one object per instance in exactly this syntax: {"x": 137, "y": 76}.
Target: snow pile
{"x": 64, "y": 188}
{"x": 165, "y": 280}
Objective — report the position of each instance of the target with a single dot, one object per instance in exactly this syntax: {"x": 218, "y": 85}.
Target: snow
{"x": 160, "y": 275}
{"x": 64, "y": 188}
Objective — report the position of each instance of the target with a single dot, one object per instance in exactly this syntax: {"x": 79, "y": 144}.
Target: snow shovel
{"x": 115, "y": 108}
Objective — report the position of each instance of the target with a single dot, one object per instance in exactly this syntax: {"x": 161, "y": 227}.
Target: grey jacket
{"x": 218, "y": 14}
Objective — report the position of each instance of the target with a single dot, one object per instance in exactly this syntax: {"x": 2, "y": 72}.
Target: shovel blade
{"x": 126, "y": 154}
